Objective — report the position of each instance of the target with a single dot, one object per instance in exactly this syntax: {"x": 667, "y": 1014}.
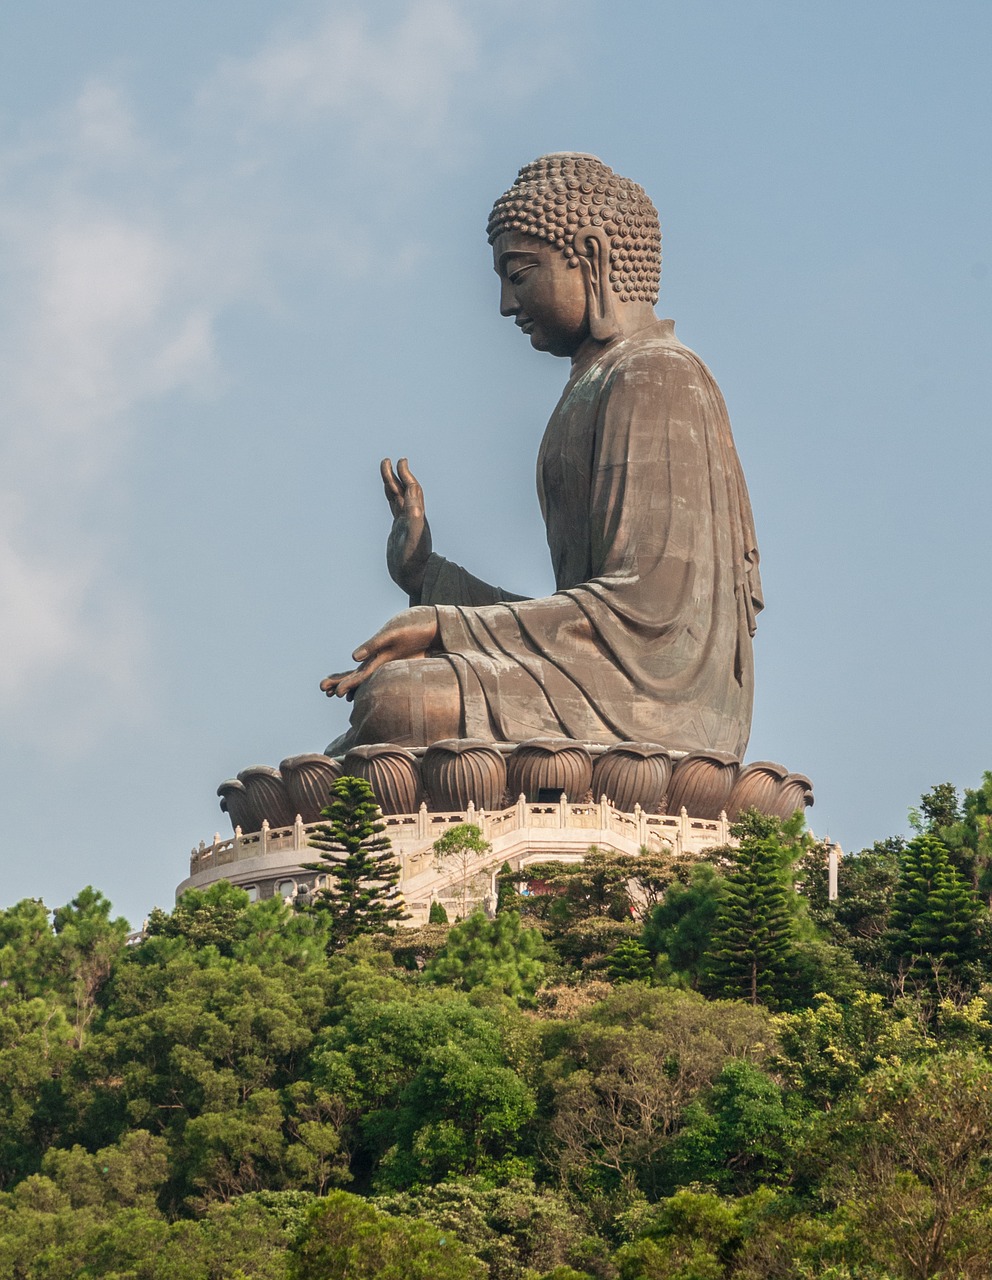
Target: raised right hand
{"x": 409, "y": 545}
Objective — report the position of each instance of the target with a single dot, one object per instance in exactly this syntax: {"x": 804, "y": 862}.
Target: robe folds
{"x": 648, "y": 634}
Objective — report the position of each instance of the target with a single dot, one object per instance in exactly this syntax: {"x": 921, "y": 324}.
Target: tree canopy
{"x": 707, "y": 1069}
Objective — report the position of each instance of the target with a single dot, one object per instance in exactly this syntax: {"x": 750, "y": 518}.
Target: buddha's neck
{"x": 632, "y": 318}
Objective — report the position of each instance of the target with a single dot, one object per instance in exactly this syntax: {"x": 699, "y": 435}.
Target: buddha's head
{"x": 578, "y": 250}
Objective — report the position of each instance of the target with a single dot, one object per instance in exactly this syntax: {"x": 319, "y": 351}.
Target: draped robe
{"x": 647, "y": 636}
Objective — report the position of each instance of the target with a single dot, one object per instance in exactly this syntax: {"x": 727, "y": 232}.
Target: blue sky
{"x": 244, "y": 257}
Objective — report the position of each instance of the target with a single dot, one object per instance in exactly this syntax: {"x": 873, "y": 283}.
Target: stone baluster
{"x": 563, "y": 810}
{"x": 299, "y": 838}
{"x": 265, "y": 836}
{"x": 642, "y": 826}
{"x": 423, "y": 826}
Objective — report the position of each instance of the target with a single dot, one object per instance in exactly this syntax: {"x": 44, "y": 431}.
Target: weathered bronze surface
{"x": 647, "y": 637}
{"x": 633, "y": 773}
{"x": 457, "y": 772}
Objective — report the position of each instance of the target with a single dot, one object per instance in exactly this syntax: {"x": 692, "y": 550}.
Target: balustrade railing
{"x": 414, "y": 834}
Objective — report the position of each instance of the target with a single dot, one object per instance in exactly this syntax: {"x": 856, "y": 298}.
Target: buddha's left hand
{"x": 411, "y": 634}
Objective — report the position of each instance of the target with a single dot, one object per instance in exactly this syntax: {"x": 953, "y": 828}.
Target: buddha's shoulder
{"x": 655, "y": 351}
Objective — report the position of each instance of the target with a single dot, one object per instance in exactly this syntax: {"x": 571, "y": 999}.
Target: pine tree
{"x": 499, "y": 954}
{"x": 630, "y": 961}
{"x": 753, "y": 941}
{"x": 361, "y": 874}
{"x": 933, "y": 927}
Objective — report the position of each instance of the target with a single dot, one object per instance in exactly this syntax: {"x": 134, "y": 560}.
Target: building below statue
{"x": 533, "y": 802}
{"x": 270, "y": 862}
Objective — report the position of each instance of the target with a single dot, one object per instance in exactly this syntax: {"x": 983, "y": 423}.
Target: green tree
{"x": 498, "y": 954}
{"x": 754, "y": 937}
{"x": 516, "y": 1228}
{"x": 206, "y": 1050}
{"x": 689, "y": 1236}
{"x": 965, "y": 827}
{"x": 622, "y": 1075}
{"x": 47, "y": 1235}
{"x": 858, "y": 918}
{"x": 87, "y": 943}
{"x": 506, "y": 889}
{"x": 825, "y": 1051}
{"x": 432, "y": 1083}
{"x": 460, "y": 847}
{"x": 911, "y": 1167}
{"x": 596, "y": 886}
{"x": 969, "y": 838}
{"x": 679, "y": 929}
{"x": 438, "y": 915}
{"x": 630, "y": 962}
{"x": 28, "y": 951}
{"x": 737, "y": 1138}
{"x": 36, "y": 1051}
{"x": 218, "y": 916}
{"x": 346, "y": 1238}
{"x": 932, "y": 935}
{"x": 360, "y": 895}
{"x": 940, "y": 807}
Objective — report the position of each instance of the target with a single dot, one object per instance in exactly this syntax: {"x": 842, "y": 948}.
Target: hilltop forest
{"x": 649, "y": 1069}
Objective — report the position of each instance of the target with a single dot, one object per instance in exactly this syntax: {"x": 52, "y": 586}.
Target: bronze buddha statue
{"x": 648, "y": 633}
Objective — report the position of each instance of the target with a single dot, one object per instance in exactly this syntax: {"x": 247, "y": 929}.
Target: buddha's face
{"x": 545, "y": 296}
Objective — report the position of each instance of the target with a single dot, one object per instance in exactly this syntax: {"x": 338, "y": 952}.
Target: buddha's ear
{"x": 592, "y": 252}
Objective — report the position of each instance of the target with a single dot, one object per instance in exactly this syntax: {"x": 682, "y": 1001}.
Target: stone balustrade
{"x": 520, "y": 835}
{"x": 414, "y": 834}
{"x": 525, "y": 832}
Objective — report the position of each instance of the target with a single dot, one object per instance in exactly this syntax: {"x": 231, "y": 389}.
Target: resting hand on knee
{"x": 411, "y": 634}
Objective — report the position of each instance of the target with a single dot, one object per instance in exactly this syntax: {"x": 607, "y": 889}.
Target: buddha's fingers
{"x": 332, "y": 684}
{"x": 413, "y": 492}
{"x": 348, "y": 683}
{"x": 394, "y": 494}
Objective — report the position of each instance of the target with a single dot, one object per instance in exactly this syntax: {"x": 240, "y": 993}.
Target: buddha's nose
{"x": 508, "y": 305}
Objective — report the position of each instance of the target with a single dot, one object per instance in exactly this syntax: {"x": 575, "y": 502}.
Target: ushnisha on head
{"x": 556, "y": 196}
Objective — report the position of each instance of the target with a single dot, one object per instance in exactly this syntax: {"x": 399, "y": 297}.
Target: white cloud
{"x": 71, "y": 642}
{"x": 40, "y": 603}
{"x": 104, "y": 124}
{"x": 394, "y": 83}
{"x": 121, "y": 251}
{"x": 102, "y": 314}
{"x": 105, "y": 315}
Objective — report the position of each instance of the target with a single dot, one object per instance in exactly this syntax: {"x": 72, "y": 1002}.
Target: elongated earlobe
{"x": 593, "y": 253}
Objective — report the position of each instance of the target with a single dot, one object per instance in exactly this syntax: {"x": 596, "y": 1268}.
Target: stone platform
{"x": 544, "y": 799}
{"x": 270, "y": 861}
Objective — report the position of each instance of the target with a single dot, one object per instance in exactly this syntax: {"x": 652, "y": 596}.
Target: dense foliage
{"x": 647, "y": 1070}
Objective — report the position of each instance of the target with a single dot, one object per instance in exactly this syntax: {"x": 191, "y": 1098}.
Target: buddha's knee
{"x": 412, "y": 703}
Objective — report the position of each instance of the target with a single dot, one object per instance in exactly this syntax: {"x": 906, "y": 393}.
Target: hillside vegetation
{"x": 651, "y": 1070}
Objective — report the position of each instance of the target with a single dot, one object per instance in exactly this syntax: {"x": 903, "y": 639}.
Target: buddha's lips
{"x": 526, "y": 324}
